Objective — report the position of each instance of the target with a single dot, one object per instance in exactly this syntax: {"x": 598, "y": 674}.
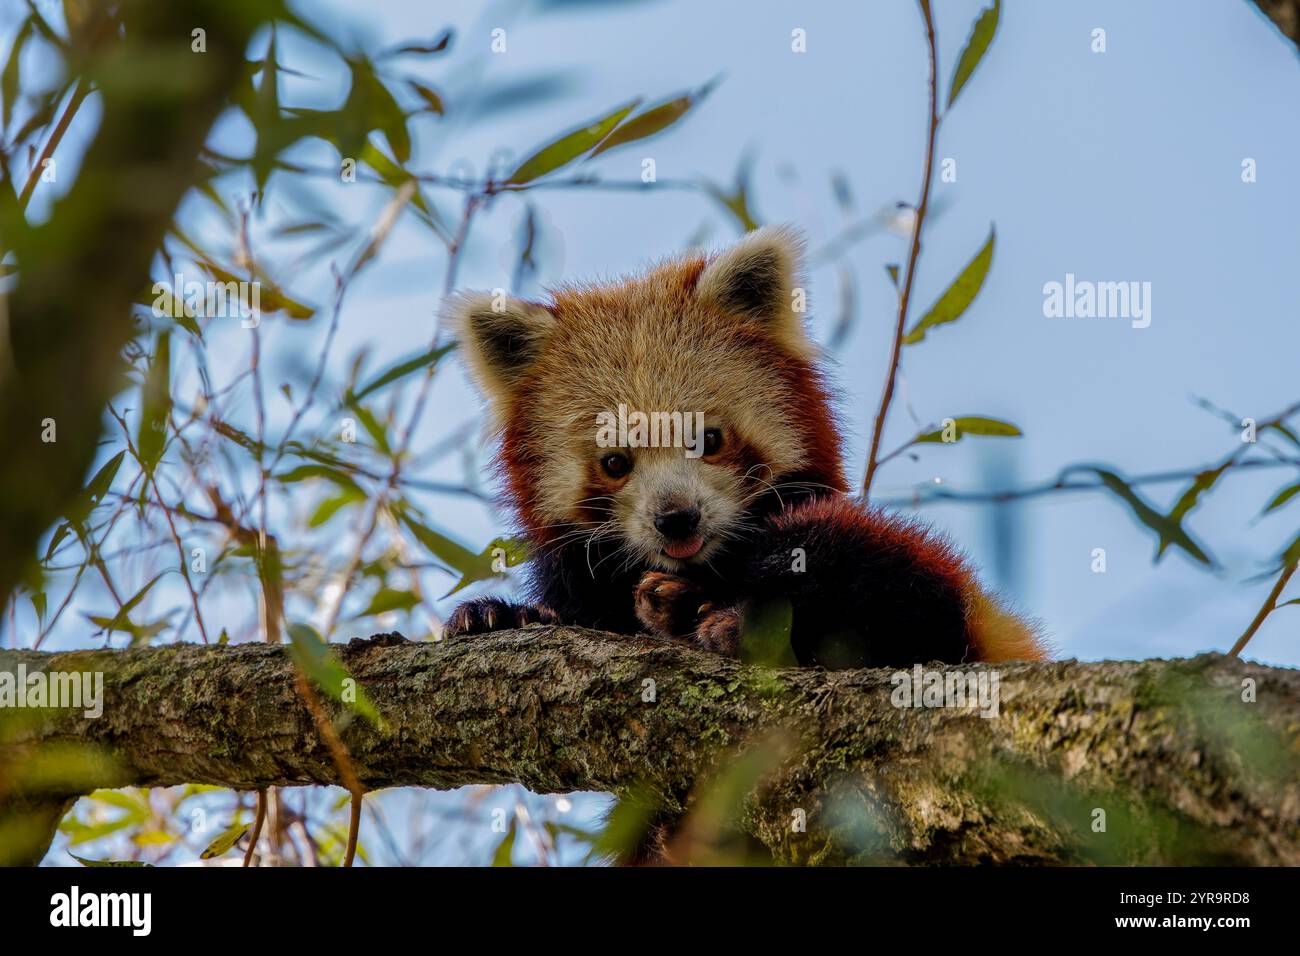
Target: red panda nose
{"x": 678, "y": 524}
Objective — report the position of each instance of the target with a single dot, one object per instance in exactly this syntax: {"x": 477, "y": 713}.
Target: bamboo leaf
{"x": 395, "y": 177}
{"x": 436, "y": 46}
{"x": 445, "y": 549}
{"x": 1291, "y": 555}
{"x": 237, "y": 436}
{"x": 336, "y": 475}
{"x": 152, "y": 435}
{"x": 1283, "y": 430}
{"x": 121, "y": 620}
{"x": 331, "y": 506}
{"x": 736, "y": 201}
{"x": 401, "y": 370}
{"x": 372, "y": 426}
{"x": 141, "y": 634}
{"x": 564, "y": 150}
{"x": 225, "y": 840}
{"x": 503, "y": 854}
{"x": 9, "y": 76}
{"x": 958, "y": 296}
{"x": 94, "y": 492}
{"x": 1189, "y": 499}
{"x": 389, "y": 599}
{"x": 1169, "y": 532}
{"x": 492, "y": 561}
{"x": 271, "y": 298}
{"x": 129, "y": 800}
{"x": 1282, "y": 497}
{"x": 315, "y": 660}
{"x": 432, "y": 101}
{"x": 139, "y": 596}
{"x": 85, "y": 862}
{"x": 977, "y": 45}
{"x": 653, "y": 120}
{"x": 44, "y": 28}
{"x": 267, "y": 113}
{"x": 370, "y": 106}
{"x": 489, "y": 563}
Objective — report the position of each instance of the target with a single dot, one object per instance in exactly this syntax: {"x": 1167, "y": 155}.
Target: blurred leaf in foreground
{"x": 314, "y": 658}
{"x": 1169, "y": 531}
{"x": 766, "y": 637}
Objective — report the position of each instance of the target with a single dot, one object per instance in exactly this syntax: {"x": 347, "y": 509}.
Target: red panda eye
{"x": 712, "y": 441}
{"x": 616, "y": 465}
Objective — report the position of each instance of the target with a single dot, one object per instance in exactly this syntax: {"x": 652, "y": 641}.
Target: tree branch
{"x": 905, "y": 294}
{"x": 1184, "y": 769}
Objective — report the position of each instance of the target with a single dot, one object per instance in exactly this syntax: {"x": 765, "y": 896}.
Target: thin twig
{"x": 79, "y": 95}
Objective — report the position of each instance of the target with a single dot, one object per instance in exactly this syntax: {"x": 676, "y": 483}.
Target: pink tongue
{"x": 681, "y": 550}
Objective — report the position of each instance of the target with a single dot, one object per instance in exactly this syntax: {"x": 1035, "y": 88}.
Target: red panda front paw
{"x": 667, "y": 605}
{"x": 719, "y": 630}
{"x": 672, "y": 606}
{"x": 493, "y": 614}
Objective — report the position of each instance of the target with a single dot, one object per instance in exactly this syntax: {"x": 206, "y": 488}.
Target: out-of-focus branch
{"x": 1270, "y": 605}
{"x": 935, "y": 494}
{"x": 1190, "y": 760}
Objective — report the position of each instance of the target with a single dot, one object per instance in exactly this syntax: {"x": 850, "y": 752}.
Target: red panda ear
{"x": 759, "y": 279}
{"x": 500, "y": 337}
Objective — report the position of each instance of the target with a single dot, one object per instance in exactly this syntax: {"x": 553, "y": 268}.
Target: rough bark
{"x": 1184, "y": 768}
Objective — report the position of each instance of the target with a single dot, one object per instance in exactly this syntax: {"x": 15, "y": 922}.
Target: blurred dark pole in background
{"x": 1004, "y": 524}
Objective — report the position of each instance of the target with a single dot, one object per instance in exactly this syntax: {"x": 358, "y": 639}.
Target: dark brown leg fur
{"x": 668, "y": 605}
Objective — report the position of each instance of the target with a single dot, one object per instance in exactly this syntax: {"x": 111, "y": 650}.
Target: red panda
{"x": 680, "y": 541}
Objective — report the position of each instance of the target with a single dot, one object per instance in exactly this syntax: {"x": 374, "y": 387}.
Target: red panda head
{"x": 653, "y": 411}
